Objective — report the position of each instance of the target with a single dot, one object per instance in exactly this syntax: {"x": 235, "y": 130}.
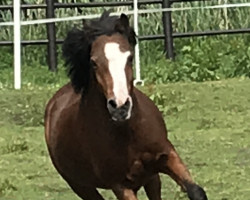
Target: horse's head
{"x": 110, "y": 43}
{"x": 111, "y": 57}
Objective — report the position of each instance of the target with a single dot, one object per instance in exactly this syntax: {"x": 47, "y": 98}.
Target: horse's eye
{"x": 93, "y": 64}
{"x": 130, "y": 60}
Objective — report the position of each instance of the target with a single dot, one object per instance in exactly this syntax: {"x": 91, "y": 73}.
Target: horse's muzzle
{"x": 120, "y": 113}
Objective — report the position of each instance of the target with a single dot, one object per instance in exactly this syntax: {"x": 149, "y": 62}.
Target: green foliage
{"x": 198, "y": 59}
{"x": 162, "y": 100}
{"x": 33, "y": 76}
{"x": 6, "y": 57}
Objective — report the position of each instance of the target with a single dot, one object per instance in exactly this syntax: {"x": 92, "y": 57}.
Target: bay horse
{"x": 100, "y": 130}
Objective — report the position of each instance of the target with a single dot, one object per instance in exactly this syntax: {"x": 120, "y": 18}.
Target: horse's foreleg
{"x": 124, "y": 193}
{"x": 153, "y": 188}
{"x": 86, "y": 193}
{"x": 171, "y": 164}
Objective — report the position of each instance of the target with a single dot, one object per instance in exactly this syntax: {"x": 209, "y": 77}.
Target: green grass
{"x": 208, "y": 124}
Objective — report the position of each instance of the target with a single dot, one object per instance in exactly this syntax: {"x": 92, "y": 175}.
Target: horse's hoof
{"x": 195, "y": 192}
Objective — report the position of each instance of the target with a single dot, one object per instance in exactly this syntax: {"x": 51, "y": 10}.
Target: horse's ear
{"x": 122, "y": 24}
{"x": 105, "y": 14}
{"x": 124, "y": 20}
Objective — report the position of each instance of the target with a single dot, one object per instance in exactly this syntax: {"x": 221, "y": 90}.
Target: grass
{"x": 208, "y": 124}
{"x": 197, "y": 58}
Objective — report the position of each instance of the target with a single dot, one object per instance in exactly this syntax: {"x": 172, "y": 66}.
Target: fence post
{"x": 51, "y": 35}
{"x": 168, "y": 30}
{"x": 17, "y": 44}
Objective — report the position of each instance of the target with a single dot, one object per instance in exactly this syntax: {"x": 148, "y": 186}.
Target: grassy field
{"x": 208, "y": 123}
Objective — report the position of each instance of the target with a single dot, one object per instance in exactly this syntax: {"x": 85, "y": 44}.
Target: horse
{"x": 103, "y": 132}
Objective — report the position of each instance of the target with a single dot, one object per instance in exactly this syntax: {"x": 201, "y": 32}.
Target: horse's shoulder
{"x": 151, "y": 118}
{"x": 64, "y": 92}
{"x": 65, "y": 98}
{"x": 145, "y": 101}
{"x": 139, "y": 94}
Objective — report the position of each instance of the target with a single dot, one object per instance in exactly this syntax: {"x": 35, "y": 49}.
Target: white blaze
{"x": 117, "y": 62}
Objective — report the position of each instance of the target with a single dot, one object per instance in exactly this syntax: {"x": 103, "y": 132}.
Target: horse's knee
{"x": 195, "y": 192}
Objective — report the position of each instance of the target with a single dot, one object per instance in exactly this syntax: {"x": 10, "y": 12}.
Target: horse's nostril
{"x": 112, "y": 103}
{"x": 127, "y": 103}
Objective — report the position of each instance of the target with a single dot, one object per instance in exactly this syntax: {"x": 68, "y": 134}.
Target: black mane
{"x": 77, "y": 46}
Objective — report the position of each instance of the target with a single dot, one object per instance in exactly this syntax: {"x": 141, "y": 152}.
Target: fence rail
{"x": 94, "y": 4}
{"x": 168, "y": 35}
{"x": 141, "y": 38}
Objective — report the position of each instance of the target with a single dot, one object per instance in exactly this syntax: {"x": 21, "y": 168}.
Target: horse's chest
{"x": 111, "y": 161}
{"x": 131, "y": 175}
{"x": 124, "y": 166}
{"x": 104, "y": 162}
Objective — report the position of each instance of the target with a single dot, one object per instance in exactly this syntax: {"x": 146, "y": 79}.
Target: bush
{"x": 202, "y": 59}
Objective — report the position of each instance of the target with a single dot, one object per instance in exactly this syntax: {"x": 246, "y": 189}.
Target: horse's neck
{"x": 93, "y": 100}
